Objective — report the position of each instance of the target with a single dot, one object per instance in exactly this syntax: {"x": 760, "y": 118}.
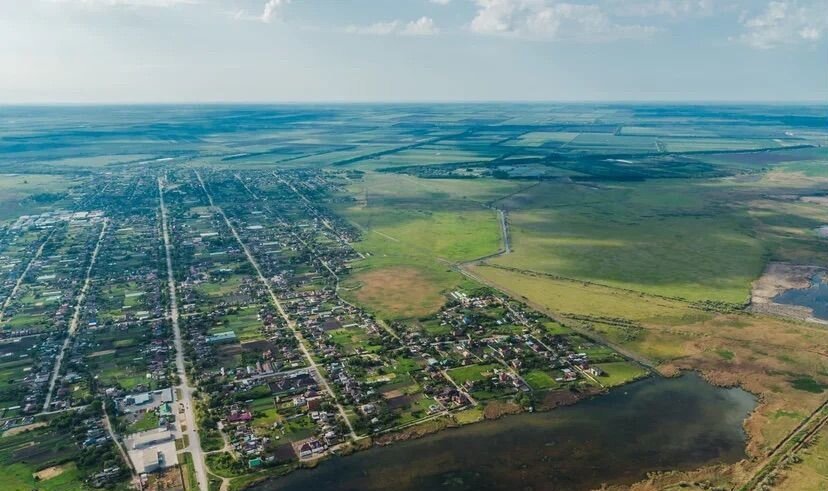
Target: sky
{"x": 168, "y": 51}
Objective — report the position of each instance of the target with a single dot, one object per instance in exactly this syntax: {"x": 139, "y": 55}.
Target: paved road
{"x": 184, "y": 386}
{"x": 291, "y": 325}
{"x": 73, "y": 324}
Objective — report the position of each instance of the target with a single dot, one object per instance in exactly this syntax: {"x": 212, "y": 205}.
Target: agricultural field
{"x": 50, "y": 456}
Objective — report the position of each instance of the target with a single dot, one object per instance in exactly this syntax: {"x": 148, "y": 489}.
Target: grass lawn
{"x": 211, "y": 440}
{"x": 469, "y": 416}
{"x": 539, "y": 380}
{"x": 473, "y": 373}
{"x": 23, "y": 455}
{"x": 190, "y": 480}
{"x": 20, "y": 477}
{"x": 620, "y": 372}
{"x": 148, "y": 421}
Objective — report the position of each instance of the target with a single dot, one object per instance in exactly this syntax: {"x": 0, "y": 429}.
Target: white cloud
{"x": 785, "y": 22}
{"x": 441, "y": 2}
{"x": 424, "y": 26}
{"x": 272, "y": 9}
{"x": 549, "y": 19}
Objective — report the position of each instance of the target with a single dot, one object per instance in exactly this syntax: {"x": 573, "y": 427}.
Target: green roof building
{"x": 222, "y": 337}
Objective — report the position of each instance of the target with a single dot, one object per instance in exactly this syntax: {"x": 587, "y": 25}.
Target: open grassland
{"x": 31, "y": 194}
{"x": 675, "y": 239}
{"x": 578, "y": 298}
{"x": 377, "y": 188}
{"x": 453, "y": 235}
{"x": 413, "y": 229}
{"x": 809, "y": 471}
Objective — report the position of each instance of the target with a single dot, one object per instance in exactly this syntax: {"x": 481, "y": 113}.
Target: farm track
{"x": 124, "y": 454}
{"x": 73, "y": 324}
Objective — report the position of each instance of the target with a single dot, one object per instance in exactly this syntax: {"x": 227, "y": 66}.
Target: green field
{"x": 676, "y": 239}
{"x": 412, "y": 231}
{"x": 46, "y": 450}
{"x": 585, "y": 299}
{"x": 471, "y": 373}
{"x": 620, "y": 372}
{"x": 31, "y": 194}
{"x": 540, "y": 380}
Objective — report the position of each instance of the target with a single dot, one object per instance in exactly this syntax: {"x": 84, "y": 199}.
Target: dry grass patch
{"x": 50, "y": 472}
{"x": 398, "y": 292}
{"x": 20, "y": 429}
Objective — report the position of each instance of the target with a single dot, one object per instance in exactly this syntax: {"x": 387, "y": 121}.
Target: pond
{"x": 814, "y": 297}
{"x": 654, "y": 424}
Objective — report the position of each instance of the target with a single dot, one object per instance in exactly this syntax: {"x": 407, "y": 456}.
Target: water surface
{"x": 654, "y": 424}
{"x": 815, "y": 296}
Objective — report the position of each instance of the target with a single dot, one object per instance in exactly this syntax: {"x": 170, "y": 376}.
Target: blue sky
{"x": 412, "y": 50}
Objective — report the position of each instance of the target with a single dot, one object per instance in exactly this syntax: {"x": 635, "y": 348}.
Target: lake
{"x": 815, "y": 296}
{"x": 654, "y": 424}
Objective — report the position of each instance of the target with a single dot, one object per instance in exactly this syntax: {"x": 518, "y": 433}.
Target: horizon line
{"x": 416, "y": 102}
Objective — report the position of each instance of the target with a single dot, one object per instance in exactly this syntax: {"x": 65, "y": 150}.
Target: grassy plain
{"x": 811, "y": 473}
{"x": 413, "y": 229}
{"x": 675, "y": 238}
{"x": 31, "y": 194}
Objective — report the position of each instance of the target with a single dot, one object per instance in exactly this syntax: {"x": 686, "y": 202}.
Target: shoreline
{"x": 449, "y": 423}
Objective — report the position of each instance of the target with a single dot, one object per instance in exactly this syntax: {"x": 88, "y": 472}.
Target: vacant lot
{"x": 398, "y": 292}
